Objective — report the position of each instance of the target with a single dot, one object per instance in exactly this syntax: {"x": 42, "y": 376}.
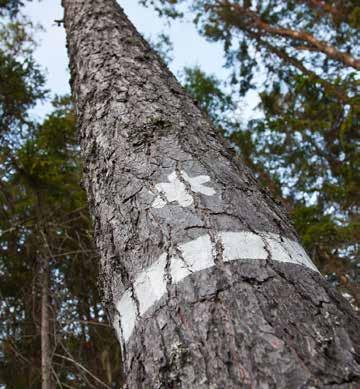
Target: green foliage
{"x": 310, "y": 140}
{"x": 207, "y": 91}
{"x": 21, "y": 81}
{"x": 19, "y": 90}
{"x": 40, "y": 191}
{"x": 164, "y": 7}
{"x": 163, "y": 46}
{"x": 43, "y": 216}
{"x": 10, "y": 7}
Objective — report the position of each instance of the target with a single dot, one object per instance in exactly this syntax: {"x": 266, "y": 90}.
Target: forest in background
{"x": 304, "y": 149}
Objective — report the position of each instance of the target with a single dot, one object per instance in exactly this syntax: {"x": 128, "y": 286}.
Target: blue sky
{"x": 189, "y": 48}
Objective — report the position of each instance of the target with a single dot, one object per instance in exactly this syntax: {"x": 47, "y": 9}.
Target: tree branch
{"x": 282, "y": 54}
{"x": 255, "y": 21}
{"x": 319, "y": 4}
{"x": 80, "y": 366}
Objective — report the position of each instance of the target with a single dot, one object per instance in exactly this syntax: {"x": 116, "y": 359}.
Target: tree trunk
{"x": 207, "y": 284}
{"x": 45, "y": 328}
{"x": 44, "y": 284}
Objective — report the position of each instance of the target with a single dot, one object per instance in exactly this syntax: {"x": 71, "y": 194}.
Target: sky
{"x": 189, "y": 47}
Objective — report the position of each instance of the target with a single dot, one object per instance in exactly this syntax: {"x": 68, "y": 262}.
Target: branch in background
{"x": 283, "y": 55}
{"x": 244, "y": 17}
{"x": 80, "y": 366}
{"x": 323, "y": 6}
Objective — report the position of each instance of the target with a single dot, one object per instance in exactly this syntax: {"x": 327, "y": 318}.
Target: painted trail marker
{"x": 175, "y": 190}
{"x": 196, "y": 255}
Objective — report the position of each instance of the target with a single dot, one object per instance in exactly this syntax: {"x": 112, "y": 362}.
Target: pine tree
{"x": 204, "y": 278}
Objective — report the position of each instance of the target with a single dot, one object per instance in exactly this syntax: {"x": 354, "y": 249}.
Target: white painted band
{"x": 196, "y": 255}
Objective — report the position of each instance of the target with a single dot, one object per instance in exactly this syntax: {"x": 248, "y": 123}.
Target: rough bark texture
{"x": 253, "y": 323}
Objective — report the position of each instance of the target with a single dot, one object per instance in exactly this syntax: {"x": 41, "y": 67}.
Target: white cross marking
{"x": 175, "y": 190}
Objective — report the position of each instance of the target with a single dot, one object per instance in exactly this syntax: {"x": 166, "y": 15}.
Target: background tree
{"x": 44, "y": 174}
{"x": 46, "y": 245}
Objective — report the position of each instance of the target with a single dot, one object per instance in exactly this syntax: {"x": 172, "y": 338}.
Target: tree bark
{"x": 44, "y": 285}
{"x": 207, "y": 285}
{"x": 46, "y": 382}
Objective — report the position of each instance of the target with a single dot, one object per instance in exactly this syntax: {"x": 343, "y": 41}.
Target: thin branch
{"x": 56, "y": 377}
{"x": 84, "y": 369}
{"x": 71, "y": 253}
{"x": 17, "y": 353}
{"x": 94, "y": 323}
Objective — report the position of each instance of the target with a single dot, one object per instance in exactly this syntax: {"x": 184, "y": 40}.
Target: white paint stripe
{"x": 242, "y": 245}
{"x": 127, "y": 310}
{"x": 287, "y": 250}
{"x": 197, "y": 255}
{"x": 150, "y": 285}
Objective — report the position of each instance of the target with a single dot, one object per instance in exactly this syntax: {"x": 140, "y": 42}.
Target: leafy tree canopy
{"x": 21, "y": 80}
